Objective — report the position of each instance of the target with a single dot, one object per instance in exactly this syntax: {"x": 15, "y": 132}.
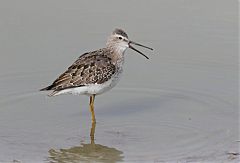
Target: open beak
{"x": 131, "y": 47}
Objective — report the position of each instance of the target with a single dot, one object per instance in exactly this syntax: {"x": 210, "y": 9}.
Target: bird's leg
{"x": 92, "y": 133}
{"x": 91, "y": 107}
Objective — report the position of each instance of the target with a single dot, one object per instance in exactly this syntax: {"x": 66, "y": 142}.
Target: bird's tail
{"x": 46, "y": 88}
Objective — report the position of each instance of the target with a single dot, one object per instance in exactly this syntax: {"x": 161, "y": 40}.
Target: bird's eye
{"x": 119, "y": 38}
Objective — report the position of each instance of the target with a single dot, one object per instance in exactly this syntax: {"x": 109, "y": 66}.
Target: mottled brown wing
{"x": 90, "y": 68}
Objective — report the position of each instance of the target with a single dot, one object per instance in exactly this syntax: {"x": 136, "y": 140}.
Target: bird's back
{"x": 94, "y": 67}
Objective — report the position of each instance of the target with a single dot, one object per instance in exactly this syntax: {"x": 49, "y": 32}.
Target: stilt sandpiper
{"x": 95, "y": 72}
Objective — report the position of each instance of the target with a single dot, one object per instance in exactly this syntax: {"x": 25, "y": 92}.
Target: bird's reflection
{"x": 86, "y": 152}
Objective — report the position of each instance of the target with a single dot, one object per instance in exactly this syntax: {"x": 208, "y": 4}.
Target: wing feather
{"x": 90, "y": 68}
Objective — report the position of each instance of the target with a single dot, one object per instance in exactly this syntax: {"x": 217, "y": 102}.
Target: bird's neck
{"x": 120, "y": 49}
{"x": 117, "y": 54}
{"x": 117, "y": 49}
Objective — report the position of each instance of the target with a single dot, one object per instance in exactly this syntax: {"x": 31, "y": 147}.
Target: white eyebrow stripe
{"x": 124, "y": 38}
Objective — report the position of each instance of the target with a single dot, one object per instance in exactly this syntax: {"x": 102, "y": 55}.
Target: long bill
{"x": 131, "y": 47}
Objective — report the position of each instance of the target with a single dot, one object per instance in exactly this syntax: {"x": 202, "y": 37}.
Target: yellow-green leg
{"x": 92, "y": 133}
{"x": 91, "y": 107}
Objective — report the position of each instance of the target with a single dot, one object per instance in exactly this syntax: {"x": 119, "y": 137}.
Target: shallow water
{"x": 181, "y": 105}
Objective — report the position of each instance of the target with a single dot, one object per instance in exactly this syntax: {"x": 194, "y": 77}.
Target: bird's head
{"x": 119, "y": 41}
